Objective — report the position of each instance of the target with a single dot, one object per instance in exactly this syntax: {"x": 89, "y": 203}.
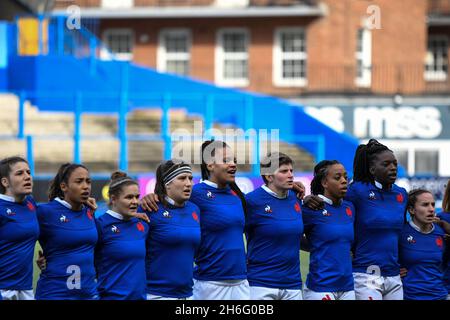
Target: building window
{"x": 232, "y": 57}
{"x": 363, "y": 58}
{"x": 174, "y": 51}
{"x": 402, "y": 158}
{"x": 289, "y": 57}
{"x": 115, "y": 4}
{"x": 119, "y": 42}
{"x": 436, "y": 65}
{"x": 427, "y": 162}
{"x": 231, "y": 3}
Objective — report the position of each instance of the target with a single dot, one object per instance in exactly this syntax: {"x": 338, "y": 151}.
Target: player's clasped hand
{"x": 41, "y": 262}
{"x": 150, "y": 202}
{"x": 403, "y": 272}
{"x": 314, "y": 202}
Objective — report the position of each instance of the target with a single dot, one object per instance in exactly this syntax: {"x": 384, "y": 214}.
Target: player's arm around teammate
{"x": 68, "y": 237}
{"x": 421, "y": 250}
{"x": 274, "y": 229}
{"x": 174, "y": 235}
{"x": 330, "y": 233}
{"x": 19, "y": 229}
{"x": 120, "y": 251}
{"x": 380, "y": 207}
{"x": 220, "y": 272}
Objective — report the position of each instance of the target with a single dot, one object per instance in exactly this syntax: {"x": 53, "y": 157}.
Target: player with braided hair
{"x": 330, "y": 234}
{"x": 380, "y": 208}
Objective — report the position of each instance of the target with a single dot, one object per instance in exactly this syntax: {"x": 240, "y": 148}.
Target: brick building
{"x": 389, "y": 58}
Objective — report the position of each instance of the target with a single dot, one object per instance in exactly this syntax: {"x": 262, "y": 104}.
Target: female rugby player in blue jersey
{"x": 445, "y": 216}
{"x": 380, "y": 207}
{"x": 68, "y": 237}
{"x": 421, "y": 250}
{"x": 274, "y": 229}
{"x": 120, "y": 252}
{"x": 330, "y": 234}
{"x": 174, "y": 235}
{"x": 220, "y": 272}
{"x": 19, "y": 229}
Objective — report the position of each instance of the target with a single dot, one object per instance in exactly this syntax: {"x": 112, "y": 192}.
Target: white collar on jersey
{"x": 378, "y": 185}
{"x": 414, "y": 226}
{"x": 115, "y": 214}
{"x": 272, "y": 193}
{"x": 7, "y": 198}
{"x": 65, "y": 203}
{"x": 211, "y": 184}
{"x": 325, "y": 199}
{"x": 169, "y": 200}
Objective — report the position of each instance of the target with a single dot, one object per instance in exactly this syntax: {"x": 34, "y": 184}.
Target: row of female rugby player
{"x": 361, "y": 244}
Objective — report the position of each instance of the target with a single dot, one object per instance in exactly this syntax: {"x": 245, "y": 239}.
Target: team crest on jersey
{"x": 209, "y": 195}
{"x": 326, "y": 213}
{"x": 140, "y": 226}
{"x": 89, "y": 214}
{"x": 195, "y": 216}
{"x": 30, "y": 206}
{"x": 63, "y": 219}
{"x": 297, "y": 207}
{"x": 114, "y": 229}
{"x": 166, "y": 214}
{"x": 267, "y": 209}
{"x": 9, "y": 212}
{"x": 372, "y": 195}
{"x": 439, "y": 242}
{"x": 349, "y": 212}
{"x": 400, "y": 198}
{"x": 410, "y": 239}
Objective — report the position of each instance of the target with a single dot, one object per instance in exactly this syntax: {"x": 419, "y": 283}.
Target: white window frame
{"x": 278, "y": 57}
{"x": 439, "y": 75}
{"x": 440, "y": 145}
{"x": 365, "y": 56}
{"x": 116, "y": 4}
{"x": 220, "y": 57}
{"x": 104, "y": 54}
{"x": 232, "y": 3}
{"x": 162, "y": 56}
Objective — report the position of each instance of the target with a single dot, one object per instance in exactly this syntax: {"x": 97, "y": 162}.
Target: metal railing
{"x": 164, "y": 136}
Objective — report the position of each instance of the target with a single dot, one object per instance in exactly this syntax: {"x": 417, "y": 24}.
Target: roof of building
{"x": 199, "y": 12}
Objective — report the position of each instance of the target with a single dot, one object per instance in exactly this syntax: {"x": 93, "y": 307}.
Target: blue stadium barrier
{"x": 72, "y": 78}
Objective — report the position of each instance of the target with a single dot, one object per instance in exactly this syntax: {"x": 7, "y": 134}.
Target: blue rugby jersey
{"x": 221, "y": 255}
{"x": 19, "y": 231}
{"x": 446, "y": 216}
{"x": 274, "y": 228}
{"x": 172, "y": 241}
{"x": 379, "y": 219}
{"x": 68, "y": 239}
{"x": 330, "y": 233}
{"x": 120, "y": 257}
{"x": 421, "y": 254}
